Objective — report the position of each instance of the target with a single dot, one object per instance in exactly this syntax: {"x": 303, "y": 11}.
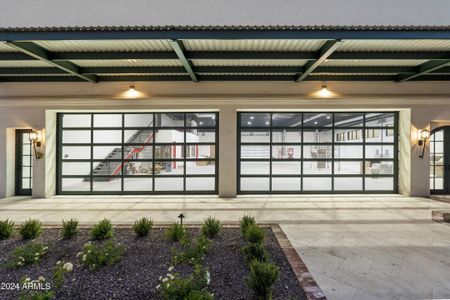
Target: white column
{"x": 227, "y": 152}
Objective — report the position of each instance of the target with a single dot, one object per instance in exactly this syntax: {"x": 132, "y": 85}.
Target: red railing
{"x": 130, "y": 154}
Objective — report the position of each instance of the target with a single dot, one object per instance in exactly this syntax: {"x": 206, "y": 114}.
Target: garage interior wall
{"x": 35, "y": 106}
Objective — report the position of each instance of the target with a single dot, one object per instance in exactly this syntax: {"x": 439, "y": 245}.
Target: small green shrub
{"x": 245, "y": 222}
{"x": 59, "y": 273}
{"x": 30, "y": 229}
{"x": 30, "y": 253}
{"x": 192, "y": 287}
{"x": 199, "y": 295}
{"x": 142, "y": 226}
{"x": 211, "y": 227}
{"x": 29, "y": 291}
{"x": 261, "y": 278}
{"x": 95, "y": 256}
{"x": 192, "y": 252}
{"x": 69, "y": 229}
{"x": 102, "y": 230}
{"x": 6, "y": 229}
{"x": 175, "y": 232}
{"x": 254, "y": 234}
{"x": 255, "y": 251}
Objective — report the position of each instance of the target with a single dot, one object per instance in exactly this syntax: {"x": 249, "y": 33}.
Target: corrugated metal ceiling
{"x": 253, "y": 45}
{"x": 248, "y": 62}
{"x": 23, "y": 64}
{"x": 5, "y": 48}
{"x": 371, "y": 63}
{"x": 106, "y": 45}
{"x": 394, "y": 45}
{"x": 128, "y": 63}
{"x": 245, "y": 74}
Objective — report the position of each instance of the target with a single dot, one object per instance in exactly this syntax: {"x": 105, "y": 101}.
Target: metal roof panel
{"x": 5, "y": 48}
{"x": 248, "y": 62}
{"x": 23, "y": 64}
{"x": 371, "y": 63}
{"x": 253, "y": 45}
{"x": 394, "y": 45}
{"x": 128, "y": 63}
{"x": 106, "y": 45}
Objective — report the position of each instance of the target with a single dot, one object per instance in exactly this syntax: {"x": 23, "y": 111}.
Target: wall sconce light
{"x": 422, "y": 137}
{"x": 36, "y": 140}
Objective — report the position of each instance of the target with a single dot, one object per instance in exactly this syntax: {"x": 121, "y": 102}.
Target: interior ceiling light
{"x": 249, "y": 123}
{"x": 252, "y": 117}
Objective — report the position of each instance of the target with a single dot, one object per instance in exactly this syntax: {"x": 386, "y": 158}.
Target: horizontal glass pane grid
{"x": 126, "y": 148}
{"x": 319, "y": 156}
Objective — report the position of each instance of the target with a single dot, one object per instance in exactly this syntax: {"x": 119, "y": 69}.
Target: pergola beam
{"x": 41, "y": 54}
{"x": 210, "y": 77}
{"x": 230, "y": 55}
{"x": 249, "y": 32}
{"x": 214, "y": 70}
{"x": 325, "y": 51}
{"x": 179, "y": 49}
{"x": 425, "y": 68}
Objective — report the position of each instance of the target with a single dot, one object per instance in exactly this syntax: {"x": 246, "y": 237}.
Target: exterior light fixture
{"x": 324, "y": 92}
{"x": 36, "y": 140}
{"x": 181, "y": 217}
{"x": 422, "y": 137}
{"x": 132, "y": 92}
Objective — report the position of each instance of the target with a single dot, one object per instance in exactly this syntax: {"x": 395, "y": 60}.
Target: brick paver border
{"x": 304, "y": 276}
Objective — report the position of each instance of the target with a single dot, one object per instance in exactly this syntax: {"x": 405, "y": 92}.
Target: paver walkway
{"x": 357, "y": 247}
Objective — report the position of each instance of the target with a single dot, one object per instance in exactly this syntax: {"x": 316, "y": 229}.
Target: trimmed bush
{"x": 191, "y": 287}
{"x": 175, "y": 232}
{"x": 254, "y": 234}
{"x": 95, "y": 256}
{"x": 6, "y": 229}
{"x": 261, "y": 278}
{"x": 69, "y": 229}
{"x": 245, "y": 222}
{"x": 30, "y": 229}
{"x": 193, "y": 252}
{"x": 211, "y": 227}
{"x": 255, "y": 251}
{"x": 102, "y": 230}
{"x": 30, "y": 253}
{"x": 142, "y": 227}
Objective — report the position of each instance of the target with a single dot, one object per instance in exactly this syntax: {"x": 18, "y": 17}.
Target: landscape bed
{"x": 137, "y": 274}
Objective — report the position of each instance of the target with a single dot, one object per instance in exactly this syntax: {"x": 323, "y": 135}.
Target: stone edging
{"x": 306, "y": 280}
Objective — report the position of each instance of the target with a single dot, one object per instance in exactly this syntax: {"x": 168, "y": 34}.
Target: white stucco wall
{"x": 34, "y": 106}
{"x": 28, "y": 13}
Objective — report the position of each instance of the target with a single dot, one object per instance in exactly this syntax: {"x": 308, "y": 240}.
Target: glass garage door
{"x": 137, "y": 153}
{"x": 317, "y": 152}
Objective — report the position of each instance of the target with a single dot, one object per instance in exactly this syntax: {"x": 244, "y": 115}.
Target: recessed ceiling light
{"x": 328, "y": 117}
{"x": 315, "y": 122}
{"x": 252, "y": 117}
{"x": 201, "y": 123}
{"x": 249, "y": 123}
{"x": 267, "y": 122}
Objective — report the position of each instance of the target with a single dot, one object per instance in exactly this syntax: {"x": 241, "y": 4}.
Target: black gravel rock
{"x": 137, "y": 274}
